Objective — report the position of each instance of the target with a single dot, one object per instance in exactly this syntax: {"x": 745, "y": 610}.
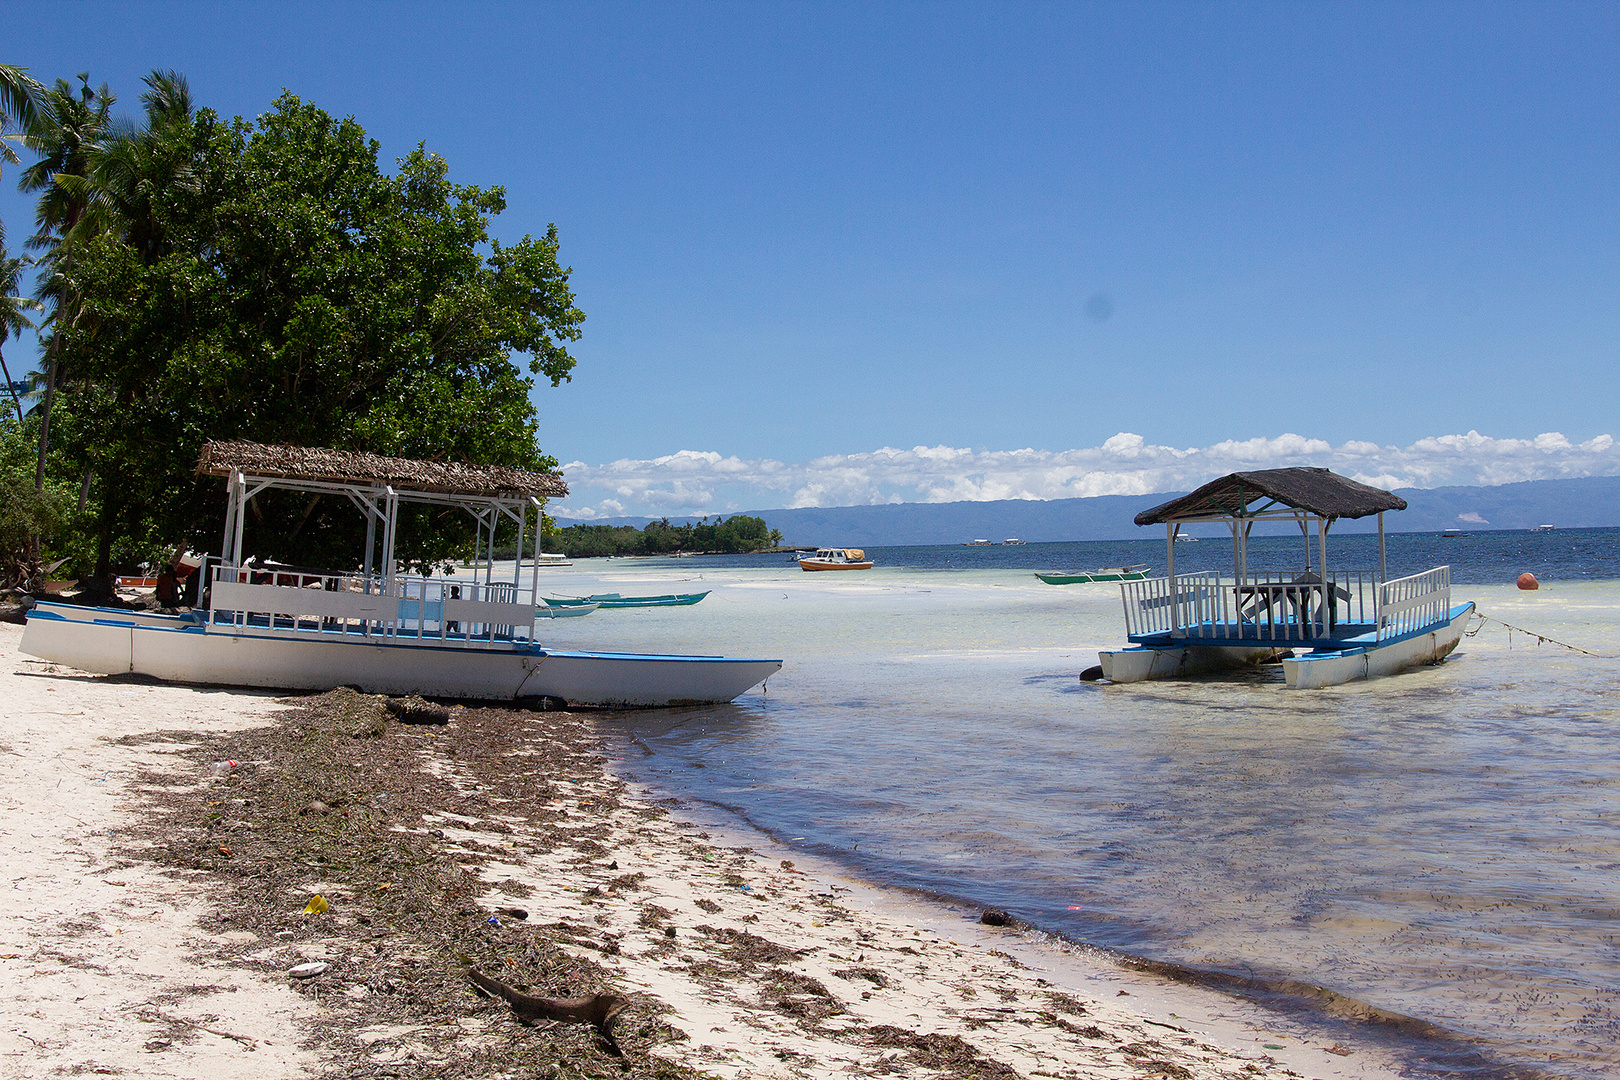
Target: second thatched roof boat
{"x": 1327, "y": 626}
{"x": 376, "y": 627}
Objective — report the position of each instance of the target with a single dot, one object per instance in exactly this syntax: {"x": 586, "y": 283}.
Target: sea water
{"x": 1442, "y": 844}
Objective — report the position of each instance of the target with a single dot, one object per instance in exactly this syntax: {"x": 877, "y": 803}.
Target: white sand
{"x": 98, "y": 964}
{"x": 101, "y": 970}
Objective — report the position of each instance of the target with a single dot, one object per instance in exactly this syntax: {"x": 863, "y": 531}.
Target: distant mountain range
{"x": 1591, "y": 502}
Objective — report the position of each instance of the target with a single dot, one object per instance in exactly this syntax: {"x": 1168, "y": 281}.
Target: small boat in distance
{"x": 978, "y": 543}
{"x": 836, "y": 559}
{"x": 1543, "y": 528}
{"x": 1450, "y": 534}
{"x": 1012, "y": 541}
{"x": 614, "y": 600}
{"x": 1135, "y": 572}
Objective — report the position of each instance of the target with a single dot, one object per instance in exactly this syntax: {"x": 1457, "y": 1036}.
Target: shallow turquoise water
{"x": 1442, "y": 844}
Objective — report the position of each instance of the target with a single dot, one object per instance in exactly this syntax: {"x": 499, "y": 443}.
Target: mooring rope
{"x": 1483, "y": 619}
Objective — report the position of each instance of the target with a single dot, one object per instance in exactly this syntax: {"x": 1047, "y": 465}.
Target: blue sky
{"x": 809, "y": 232}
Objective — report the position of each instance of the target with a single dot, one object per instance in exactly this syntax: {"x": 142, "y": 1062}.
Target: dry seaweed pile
{"x": 340, "y": 797}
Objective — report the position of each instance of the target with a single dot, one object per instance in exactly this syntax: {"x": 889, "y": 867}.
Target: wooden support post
{"x": 1383, "y": 567}
{"x": 230, "y": 519}
{"x": 371, "y": 544}
{"x": 390, "y": 528}
{"x": 1321, "y": 551}
{"x": 1170, "y": 531}
{"x": 241, "y": 512}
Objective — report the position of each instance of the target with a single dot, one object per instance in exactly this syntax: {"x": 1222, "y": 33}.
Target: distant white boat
{"x": 1012, "y": 541}
{"x": 1543, "y": 528}
{"x": 836, "y": 559}
{"x": 979, "y": 543}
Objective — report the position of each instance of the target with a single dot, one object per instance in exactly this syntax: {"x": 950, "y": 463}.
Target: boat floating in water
{"x": 1137, "y": 572}
{"x": 381, "y": 630}
{"x": 614, "y": 600}
{"x": 836, "y": 559}
{"x": 1326, "y": 626}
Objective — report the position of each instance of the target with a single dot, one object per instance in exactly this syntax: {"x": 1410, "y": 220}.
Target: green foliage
{"x": 731, "y": 535}
{"x": 267, "y": 281}
{"x": 24, "y": 514}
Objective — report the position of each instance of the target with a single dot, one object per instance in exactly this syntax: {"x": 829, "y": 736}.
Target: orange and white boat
{"x": 836, "y": 559}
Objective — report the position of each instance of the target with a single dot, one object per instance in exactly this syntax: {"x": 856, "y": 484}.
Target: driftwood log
{"x": 601, "y": 1011}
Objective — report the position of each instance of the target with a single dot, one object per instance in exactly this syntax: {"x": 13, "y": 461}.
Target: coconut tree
{"x": 134, "y": 167}
{"x": 19, "y": 96}
{"x": 68, "y": 128}
{"x": 13, "y": 315}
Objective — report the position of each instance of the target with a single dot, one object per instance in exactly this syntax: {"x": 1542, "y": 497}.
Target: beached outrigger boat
{"x": 1137, "y": 572}
{"x": 1327, "y": 626}
{"x": 381, "y": 630}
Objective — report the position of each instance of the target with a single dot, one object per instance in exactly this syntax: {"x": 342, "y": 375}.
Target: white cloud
{"x": 699, "y": 482}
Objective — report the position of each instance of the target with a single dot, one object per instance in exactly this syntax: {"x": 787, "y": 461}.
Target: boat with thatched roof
{"x": 1327, "y": 626}
{"x": 377, "y": 627}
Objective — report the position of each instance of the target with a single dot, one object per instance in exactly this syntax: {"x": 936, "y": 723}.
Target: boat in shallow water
{"x": 1326, "y": 626}
{"x": 1108, "y": 573}
{"x": 614, "y": 600}
{"x": 836, "y": 559}
{"x": 386, "y": 631}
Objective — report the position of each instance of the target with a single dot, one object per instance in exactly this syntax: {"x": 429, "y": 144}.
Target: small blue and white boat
{"x": 1326, "y": 626}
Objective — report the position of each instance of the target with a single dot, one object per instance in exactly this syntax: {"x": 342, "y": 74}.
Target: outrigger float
{"x": 379, "y": 629}
{"x": 1326, "y": 626}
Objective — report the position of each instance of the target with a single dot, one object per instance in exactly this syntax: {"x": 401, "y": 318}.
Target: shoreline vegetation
{"x": 736, "y": 535}
{"x": 175, "y": 836}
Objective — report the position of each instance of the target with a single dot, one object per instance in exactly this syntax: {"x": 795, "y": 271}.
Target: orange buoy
{"x": 1528, "y": 581}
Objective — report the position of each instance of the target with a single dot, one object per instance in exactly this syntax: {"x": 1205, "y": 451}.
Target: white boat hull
{"x": 1313, "y": 671}
{"x": 1141, "y": 664}
{"x": 177, "y": 649}
{"x": 1310, "y": 671}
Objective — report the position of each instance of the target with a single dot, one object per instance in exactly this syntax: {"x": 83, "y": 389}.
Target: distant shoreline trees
{"x": 732, "y": 536}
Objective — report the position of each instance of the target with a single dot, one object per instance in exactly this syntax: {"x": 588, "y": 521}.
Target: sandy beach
{"x": 156, "y": 910}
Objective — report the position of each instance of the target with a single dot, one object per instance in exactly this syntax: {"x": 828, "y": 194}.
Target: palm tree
{"x": 67, "y": 132}
{"x": 13, "y": 317}
{"x": 133, "y": 168}
{"x": 19, "y": 95}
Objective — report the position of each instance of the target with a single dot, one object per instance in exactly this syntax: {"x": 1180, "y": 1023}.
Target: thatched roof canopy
{"x": 358, "y": 467}
{"x": 1316, "y": 491}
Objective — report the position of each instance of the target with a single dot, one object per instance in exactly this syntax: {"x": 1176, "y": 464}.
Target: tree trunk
{"x": 15, "y": 400}
{"x": 101, "y": 582}
{"x": 45, "y": 422}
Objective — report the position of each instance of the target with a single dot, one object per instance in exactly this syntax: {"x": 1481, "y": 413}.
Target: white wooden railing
{"x": 1414, "y": 603}
{"x": 416, "y": 607}
{"x": 1264, "y": 605}
{"x": 1150, "y": 609}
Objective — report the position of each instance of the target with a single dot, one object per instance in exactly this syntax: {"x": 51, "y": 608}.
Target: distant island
{"x": 1590, "y": 502}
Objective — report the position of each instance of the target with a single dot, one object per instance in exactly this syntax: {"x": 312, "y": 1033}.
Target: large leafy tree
{"x": 268, "y": 281}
